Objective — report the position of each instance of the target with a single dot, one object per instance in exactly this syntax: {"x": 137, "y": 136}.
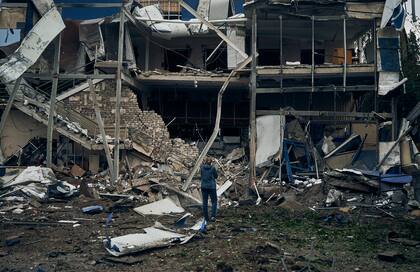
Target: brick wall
{"x": 147, "y": 127}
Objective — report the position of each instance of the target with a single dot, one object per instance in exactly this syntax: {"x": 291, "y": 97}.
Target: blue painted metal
{"x": 398, "y": 17}
{"x": 87, "y": 13}
{"x": 390, "y": 59}
{"x": 396, "y": 178}
{"x": 291, "y": 168}
{"x": 93, "y": 209}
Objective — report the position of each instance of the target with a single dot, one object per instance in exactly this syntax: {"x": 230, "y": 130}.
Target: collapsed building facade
{"x": 104, "y": 90}
{"x": 112, "y": 107}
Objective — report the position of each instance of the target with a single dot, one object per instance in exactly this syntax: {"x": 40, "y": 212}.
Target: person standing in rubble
{"x": 208, "y": 188}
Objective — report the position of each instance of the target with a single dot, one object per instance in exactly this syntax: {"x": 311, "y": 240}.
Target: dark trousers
{"x": 213, "y": 196}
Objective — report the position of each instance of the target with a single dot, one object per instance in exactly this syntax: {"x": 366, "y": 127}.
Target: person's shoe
{"x": 213, "y": 219}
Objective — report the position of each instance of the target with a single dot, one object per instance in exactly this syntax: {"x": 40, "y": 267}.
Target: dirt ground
{"x": 244, "y": 238}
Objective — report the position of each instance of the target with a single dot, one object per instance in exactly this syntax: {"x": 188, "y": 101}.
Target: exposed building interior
{"x": 130, "y": 100}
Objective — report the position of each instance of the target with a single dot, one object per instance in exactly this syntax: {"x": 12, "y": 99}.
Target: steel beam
{"x": 323, "y": 113}
{"x": 51, "y": 115}
{"x": 253, "y": 103}
{"x": 212, "y": 27}
{"x": 118, "y": 98}
{"x": 101, "y": 128}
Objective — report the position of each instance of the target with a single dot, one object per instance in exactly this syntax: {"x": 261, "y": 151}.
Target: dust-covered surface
{"x": 244, "y": 238}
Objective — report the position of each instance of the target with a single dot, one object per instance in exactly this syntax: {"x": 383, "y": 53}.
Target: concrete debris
{"x": 236, "y": 154}
{"x": 334, "y": 197}
{"x": 131, "y": 146}
{"x": 39, "y": 183}
{"x": 391, "y": 256}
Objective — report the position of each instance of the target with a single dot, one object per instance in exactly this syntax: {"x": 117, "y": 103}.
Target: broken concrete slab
{"x": 334, "y": 197}
{"x": 161, "y": 207}
{"x": 391, "y": 256}
{"x": 236, "y": 154}
{"x": 404, "y": 241}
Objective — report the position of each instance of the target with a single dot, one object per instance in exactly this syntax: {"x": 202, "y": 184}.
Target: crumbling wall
{"x": 105, "y": 95}
{"x": 145, "y": 127}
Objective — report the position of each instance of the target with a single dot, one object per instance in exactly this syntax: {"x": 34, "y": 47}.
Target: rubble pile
{"x": 32, "y": 186}
{"x": 182, "y": 155}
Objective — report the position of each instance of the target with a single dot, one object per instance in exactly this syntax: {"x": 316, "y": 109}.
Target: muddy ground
{"x": 245, "y": 238}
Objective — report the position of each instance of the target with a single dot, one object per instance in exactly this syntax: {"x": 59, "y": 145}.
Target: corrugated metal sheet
{"x": 32, "y": 46}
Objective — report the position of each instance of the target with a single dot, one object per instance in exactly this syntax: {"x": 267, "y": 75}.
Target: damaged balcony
{"x": 312, "y": 49}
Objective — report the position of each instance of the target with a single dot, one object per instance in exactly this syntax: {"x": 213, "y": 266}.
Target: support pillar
{"x": 51, "y": 115}
{"x": 252, "y": 108}
{"x": 147, "y": 55}
{"x": 345, "y": 54}
{"x": 118, "y": 99}
{"x": 101, "y": 127}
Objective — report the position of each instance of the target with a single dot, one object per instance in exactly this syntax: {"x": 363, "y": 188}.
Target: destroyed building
{"x": 124, "y": 99}
{"x": 316, "y": 61}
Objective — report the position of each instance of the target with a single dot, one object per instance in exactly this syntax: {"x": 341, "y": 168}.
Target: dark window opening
{"x": 306, "y": 56}
{"x": 176, "y": 57}
{"x": 268, "y": 57}
{"x": 218, "y": 61}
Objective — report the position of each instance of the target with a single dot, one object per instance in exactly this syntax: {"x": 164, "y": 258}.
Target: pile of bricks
{"x": 146, "y": 127}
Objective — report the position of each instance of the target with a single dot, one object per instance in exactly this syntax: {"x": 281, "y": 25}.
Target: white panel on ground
{"x": 152, "y": 238}
{"x": 268, "y": 137}
{"x": 164, "y": 206}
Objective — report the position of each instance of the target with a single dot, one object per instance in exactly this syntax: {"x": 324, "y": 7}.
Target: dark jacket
{"x": 208, "y": 177}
